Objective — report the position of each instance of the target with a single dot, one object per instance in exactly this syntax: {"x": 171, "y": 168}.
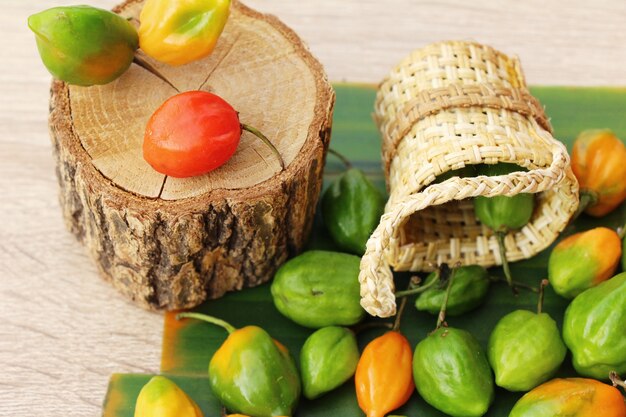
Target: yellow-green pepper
{"x": 251, "y": 373}
{"x": 84, "y": 45}
{"x": 177, "y": 32}
{"x": 163, "y": 398}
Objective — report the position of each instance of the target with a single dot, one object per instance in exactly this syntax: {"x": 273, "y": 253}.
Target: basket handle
{"x": 376, "y": 278}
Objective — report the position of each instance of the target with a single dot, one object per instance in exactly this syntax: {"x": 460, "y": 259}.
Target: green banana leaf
{"x": 188, "y": 345}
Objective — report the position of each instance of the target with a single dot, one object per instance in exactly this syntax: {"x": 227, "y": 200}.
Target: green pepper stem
{"x": 420, "y": 289}
{"x": 505, "y": 262}
{"x": 616, "y": 380}
{"x": 148, "y": 67}
{"x": 209, "y": 319}
{"x": 396, "y": 324}
{"x": 587, "y": 198}
{"x": 265, "y": 140}
{"x": 342, "y": 158}
{"x": 544, "y": 283}
{"x": 441, "y": 318}
{"x": 517, "y": 284}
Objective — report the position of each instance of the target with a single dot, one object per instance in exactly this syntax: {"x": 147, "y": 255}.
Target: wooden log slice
{"x": 171, "y": 243}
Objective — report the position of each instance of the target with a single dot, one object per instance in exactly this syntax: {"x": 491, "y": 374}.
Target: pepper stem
{"x": 621, "y": 231}
{"x": 441, "y": 318}
{"x": 616, "y": 380}
{"x": 396, "y": 324}
{"x": 517, "y": 284}
{"x": 587, "y": 198}
{"x": 150, "y": 68}
{"x": 342, "y": 158}
{"x": 265, "y": 140}
{"x": 505, "y": 262}
{"x": 209, "y": 319}
{"x": 544, "y": 283}
{"x": 417, "y": 290}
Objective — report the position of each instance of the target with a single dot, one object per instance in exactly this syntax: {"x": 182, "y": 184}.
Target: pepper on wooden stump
{"x": 171, "y": 243}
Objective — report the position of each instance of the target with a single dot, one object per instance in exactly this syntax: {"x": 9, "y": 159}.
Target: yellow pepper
{"x": 163, "y": 398}
{"x": 181, "y": 31}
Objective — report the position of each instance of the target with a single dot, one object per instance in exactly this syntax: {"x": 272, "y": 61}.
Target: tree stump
{"x": 170, "y": 243}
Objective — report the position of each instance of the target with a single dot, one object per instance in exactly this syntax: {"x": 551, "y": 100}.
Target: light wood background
{"x": 62, "y": 330}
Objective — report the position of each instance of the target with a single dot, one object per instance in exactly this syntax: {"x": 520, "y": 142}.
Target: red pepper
{"x": 193, "y": 133}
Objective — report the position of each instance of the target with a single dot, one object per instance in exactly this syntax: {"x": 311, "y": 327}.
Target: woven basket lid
{"x": 444, "y": 107}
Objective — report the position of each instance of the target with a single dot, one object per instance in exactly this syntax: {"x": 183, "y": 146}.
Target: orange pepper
{"x": 599, "y": 164}
{"x": 597, "y": 253}
{"x": 384, "y": 377}
{"x": 575, "y": 397}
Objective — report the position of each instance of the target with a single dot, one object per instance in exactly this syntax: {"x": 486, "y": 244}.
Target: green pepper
{"x": 503, "y": 214}
{"x": 328, "y": 359}
{"x": 451, "y": 370}
{"x": 251, "y": 373}
{"x": 351, "y": 208}
{"x": 469, "y": 290}
{"x": 84, "y": 45}
{"x": 162, "y": 397}
{"x": 594, "y": 329}
{"x": 525, "y": 348}
{"x": 452, "y": 374}
{"x": 181, "y": 31}
{"x": 318, "y": 289}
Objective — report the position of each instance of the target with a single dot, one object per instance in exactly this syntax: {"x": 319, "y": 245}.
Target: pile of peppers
{"x": 85, "y": 45}
{"x": 253, "y": 374}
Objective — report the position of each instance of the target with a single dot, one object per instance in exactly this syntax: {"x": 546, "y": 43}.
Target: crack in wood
{"x": 162, "y": 186}
{"x": 219, "y": 62}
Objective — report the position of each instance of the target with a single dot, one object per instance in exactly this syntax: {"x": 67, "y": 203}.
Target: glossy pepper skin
{"x": 383, "y": 377}
{"x": 177, "y": 32}
{"x": 525, "y": 349}
{"x": 452, "y": 374}
{"x": 328, "y": 359}
{"x": 594, "y": 329}
{"x": 163, "y": 398}
{"x": 599, "y": 164}
{"x": 253, "y": 374}
{"x": 190, "y": 134}
{"x": 318, "y": 289}
{"x": 502, "y": 213}
{"x": 469, "y": 291}
{"x": 571, "y": 397}
{"x": 597, "y": 253}
{"x": 84, "y": 45}
{"x": 351, "y": 208}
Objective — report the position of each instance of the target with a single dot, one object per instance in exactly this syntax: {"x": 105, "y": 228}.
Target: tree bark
{"x": 198, "y": 238}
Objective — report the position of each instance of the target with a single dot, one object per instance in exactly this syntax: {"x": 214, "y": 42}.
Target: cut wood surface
{"x": 64, "y": 331}
{"x": 258, "y": 66}
{"x": 170, "y": 244}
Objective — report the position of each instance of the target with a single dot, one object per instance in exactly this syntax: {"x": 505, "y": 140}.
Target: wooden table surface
{"x": 63, "y": 330}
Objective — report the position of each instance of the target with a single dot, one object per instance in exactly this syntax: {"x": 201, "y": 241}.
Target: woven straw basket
{"x": 446, "y": 106}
